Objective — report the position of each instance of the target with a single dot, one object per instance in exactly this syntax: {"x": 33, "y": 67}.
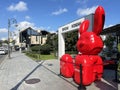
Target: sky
{"x": 51, "y": 14}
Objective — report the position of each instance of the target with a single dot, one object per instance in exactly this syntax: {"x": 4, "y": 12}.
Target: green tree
{"x": 52, "y": 41}
{"x": 35, "y": 48}
{"x": 70, "y": 41}
{"x": 109, "y": 41}
{"x": 45, "y": 49}
{"x": 5, "y": 41}
{"x": 0, "y": 42}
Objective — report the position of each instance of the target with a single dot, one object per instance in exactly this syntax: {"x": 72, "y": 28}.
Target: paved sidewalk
{"x": 18, "y": 73}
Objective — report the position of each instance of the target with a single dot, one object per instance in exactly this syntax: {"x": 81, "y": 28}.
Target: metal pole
{"x": 39, "y": 46}
{"x": 9, "y": 24}
{"x": 8, "y": 39}
{"x": 81, "y": 86}
{"x": 20, "y": 37}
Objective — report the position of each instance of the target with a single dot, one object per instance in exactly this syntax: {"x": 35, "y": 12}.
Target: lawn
{"x": 38, "y": 57}
{"x": 47, "y": 57}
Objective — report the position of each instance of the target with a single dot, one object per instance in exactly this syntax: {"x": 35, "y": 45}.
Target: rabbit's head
{"x": 91, "y": 42}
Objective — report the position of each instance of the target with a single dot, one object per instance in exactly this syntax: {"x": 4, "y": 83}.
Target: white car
{"x": 3, "y": 50}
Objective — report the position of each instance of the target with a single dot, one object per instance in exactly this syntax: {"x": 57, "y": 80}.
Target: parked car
{"x": 16, "y": 47}
{"x": 3, "y": 50}
{"x": 109, "y": 64}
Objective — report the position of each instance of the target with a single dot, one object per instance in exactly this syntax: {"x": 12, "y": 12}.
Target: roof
{"x": 43, "y": 32}
{"x": 112, "y": 29}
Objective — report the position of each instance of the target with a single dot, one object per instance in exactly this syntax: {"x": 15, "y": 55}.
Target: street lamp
{"x": 20, "y": 41}
{"x": 29, "y": 43}
{"x": 39, "y": 44}
{"x": 10, "y": 22}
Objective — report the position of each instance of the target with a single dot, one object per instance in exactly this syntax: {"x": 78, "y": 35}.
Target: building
{"x": 111, "y": 38}
{"x": 31, "y": 37}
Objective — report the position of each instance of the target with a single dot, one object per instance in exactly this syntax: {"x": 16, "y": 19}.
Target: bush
{"x": 35, "y": 48}
{"x": 33, "y": 55}
{"x": 45, "y": 49}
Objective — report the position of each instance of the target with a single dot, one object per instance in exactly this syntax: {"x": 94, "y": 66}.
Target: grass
{"x": 38, "y": 57}
{"x": 47, "y": 57}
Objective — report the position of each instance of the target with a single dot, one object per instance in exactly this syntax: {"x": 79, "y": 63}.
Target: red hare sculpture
{"x": 90, "y": 45}
{"x": 88, "y": 64}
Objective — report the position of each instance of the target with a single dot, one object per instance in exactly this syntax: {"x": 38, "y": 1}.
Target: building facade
{"x": 31, "y": 37}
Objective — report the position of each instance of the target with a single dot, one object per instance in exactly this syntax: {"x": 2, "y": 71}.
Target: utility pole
{"x": 10, "y": 21}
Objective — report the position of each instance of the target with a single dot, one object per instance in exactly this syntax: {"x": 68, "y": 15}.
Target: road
{"x": 2, "y": 57}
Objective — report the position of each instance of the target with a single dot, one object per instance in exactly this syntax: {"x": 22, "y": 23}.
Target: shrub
{"x": 35, "y": 48}
{"x": 33, "y": 55}
{"x": 45, "y": 49}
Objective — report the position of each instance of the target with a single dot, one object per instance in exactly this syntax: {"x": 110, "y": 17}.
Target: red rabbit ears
{"x": 84, "y": 26}
{"x": 99, "y": 18}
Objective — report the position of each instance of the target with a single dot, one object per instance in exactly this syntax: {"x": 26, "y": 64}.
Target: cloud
{"x": 3, "y": 30}
{"x": 48, "y": 29}
{"x": 3, "y": 33}
{"x": 86, "y": 11}
{"x": 3, "y": 38}
{"x": 27, "y": 17}
{"x": 20, "y": 6}
{"x": 45, "y": 28}
{"x": 25, "y": 24}
{"x": 52, "y": 31}
{"x": 106, "y": 26}
{"x": 82, "y": 1}
{"x": 60, "y": 11}
{"x": 21, "y": 26}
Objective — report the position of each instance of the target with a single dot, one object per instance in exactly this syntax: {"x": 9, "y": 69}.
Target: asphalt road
{"x": 2, "y": 57}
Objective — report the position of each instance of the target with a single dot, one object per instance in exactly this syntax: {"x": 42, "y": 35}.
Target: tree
{"x": 0, "y": 42}
{"x": 52, "y": 41}
{"x": 45, "y": 49}
{"x": 70, "y": 41}
{"x": 109, "y": 42}
{"x": 111, "y": 47}
{"x": 5, "y": 41}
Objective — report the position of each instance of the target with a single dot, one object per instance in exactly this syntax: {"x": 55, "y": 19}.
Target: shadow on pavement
{"x": 17, "y": 86}
{"x": 104, "y": 86}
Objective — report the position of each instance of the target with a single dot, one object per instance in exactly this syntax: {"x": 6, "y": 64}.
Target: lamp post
{"x": 10, "y": 22}
{"x": 20, "y": 41}
{"x": 39, "y": 44}
{"x": 29, "y": 43}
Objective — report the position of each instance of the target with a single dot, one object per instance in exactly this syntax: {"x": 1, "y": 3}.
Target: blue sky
{"x": 51, "y": 14}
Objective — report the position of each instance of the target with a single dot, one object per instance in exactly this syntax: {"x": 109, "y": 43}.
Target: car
{"x": 3, "y": 50}
{"x": 109, "y": 64}
{"x": 16, "y": 47}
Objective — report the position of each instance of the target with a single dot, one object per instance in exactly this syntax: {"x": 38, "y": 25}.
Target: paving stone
{"x": 15, "y": 71}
